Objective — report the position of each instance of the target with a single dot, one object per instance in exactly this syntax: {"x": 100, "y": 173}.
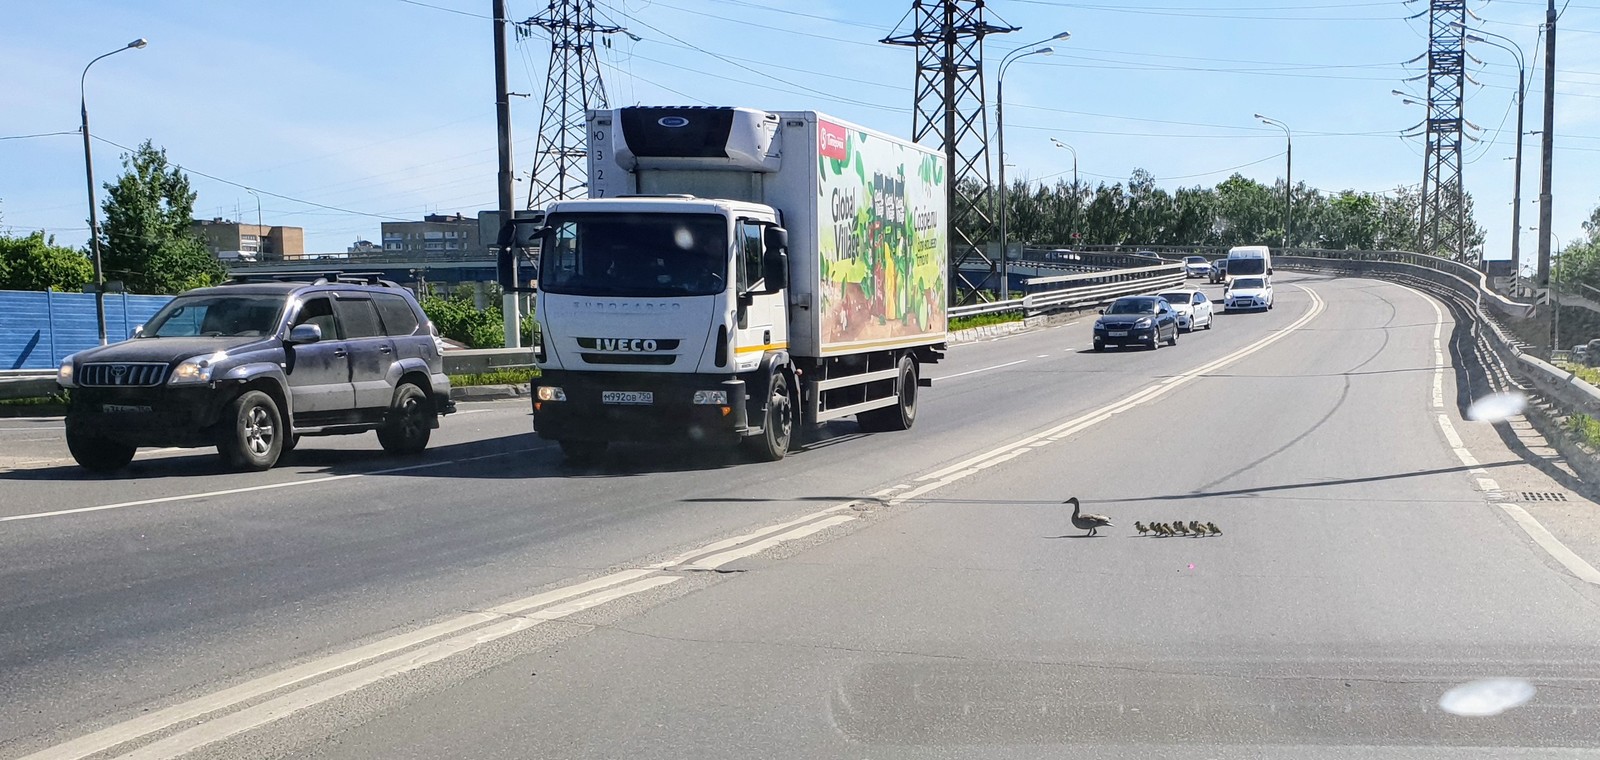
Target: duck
{"x": 1139, "y": 526}
{"x": 1178, "y": 527}
{"x": 1089, "y": 523}
{"x": 1194, "y": 525}
{"x": 1164, "y": 529}
{"x": 1215, "y": 531}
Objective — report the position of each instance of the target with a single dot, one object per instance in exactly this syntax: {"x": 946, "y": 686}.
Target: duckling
{"x": 1089, "y": 523}
{"x": 1194, "y": 525}
{"x": 1178, "y": 526}
{"x": 1166, "y": 530}
{"x": 1139, "y": 526}
{"x": 1215, "y": 531}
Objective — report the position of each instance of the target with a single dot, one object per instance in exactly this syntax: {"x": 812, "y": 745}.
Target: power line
{"x": 41, "y": 134}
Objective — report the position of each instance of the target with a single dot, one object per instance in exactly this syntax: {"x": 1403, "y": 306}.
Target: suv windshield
{"x": 1247, "y": 283}
{"x": 1133, "y": 306}
{"x": 216, "y": 316}
{"x": 1195, "y": 259}
{"x": 643, "y": 255}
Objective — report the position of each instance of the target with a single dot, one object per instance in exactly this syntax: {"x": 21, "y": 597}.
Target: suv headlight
{"x": 64, "y": 374}
{"x": 196, "y": 369}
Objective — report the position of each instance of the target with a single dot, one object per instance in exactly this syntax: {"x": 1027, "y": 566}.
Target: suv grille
{"x": 122, "y": 374}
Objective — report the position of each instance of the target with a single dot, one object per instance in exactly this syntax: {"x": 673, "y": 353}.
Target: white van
{"x": 1249, "y": 261}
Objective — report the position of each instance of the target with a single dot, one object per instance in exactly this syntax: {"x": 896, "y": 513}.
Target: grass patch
{"x": 54, "y": 399}
{"x": 1590, "y": 375}
{"x": 1586, "y": 428}
{"x": 979, "y": 320}
{"x": 513, "y": 376}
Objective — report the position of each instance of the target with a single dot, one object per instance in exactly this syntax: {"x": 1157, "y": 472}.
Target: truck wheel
{"x": 405, "y": 430}
{"x": 901, "y": 415}
{"x": 583, "y": 452}
{"x": 777, "y": 428}
{"x": 252, "y": 432}
{"x": 98, "y": 454}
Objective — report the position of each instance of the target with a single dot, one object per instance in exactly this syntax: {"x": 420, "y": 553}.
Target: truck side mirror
{"x": 517, "y": 237}
{"x": 775, "y": 263}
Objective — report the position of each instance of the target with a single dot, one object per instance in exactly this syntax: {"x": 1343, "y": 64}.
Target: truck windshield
{"x": 643, "y": 255}
{"x": 1241, "y": 266}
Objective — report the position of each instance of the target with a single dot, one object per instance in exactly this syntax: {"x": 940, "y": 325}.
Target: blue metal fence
{"x": 40, "y": 328}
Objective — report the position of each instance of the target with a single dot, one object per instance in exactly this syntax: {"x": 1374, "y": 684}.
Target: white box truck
{"x": 737, "y": 275}
{"x": 1249, "y": 261}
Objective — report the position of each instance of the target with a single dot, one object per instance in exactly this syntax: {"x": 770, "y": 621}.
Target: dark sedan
{"x": 1142, "y": 320}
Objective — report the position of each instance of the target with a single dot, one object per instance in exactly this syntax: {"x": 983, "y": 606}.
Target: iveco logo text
{"x": 627, "y": 344}
{"x": 673, "y": 122}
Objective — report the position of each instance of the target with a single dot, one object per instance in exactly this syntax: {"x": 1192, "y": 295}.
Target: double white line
{"x": 323, "y": 679}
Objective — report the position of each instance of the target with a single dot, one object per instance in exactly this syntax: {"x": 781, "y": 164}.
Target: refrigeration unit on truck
{"x": 737, "y": 275}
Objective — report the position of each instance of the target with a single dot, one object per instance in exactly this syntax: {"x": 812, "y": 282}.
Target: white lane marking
{"x": 1529, "y": 524}
{"x": 1042, "y": 356}
{"x": 57, "y": 428}
{"x": 288, "y": 704}
{"x": 159, "y": 720}
{"x": 718, "y": 560}
{"x": 473, "y": 411}
{"x": 976, "y": 371}
{"x": 1552, "y": 545}
{"x": 1073, "y": 426}
{"x": 251, "y": 489}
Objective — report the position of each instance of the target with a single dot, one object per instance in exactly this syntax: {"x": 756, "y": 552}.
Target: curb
{"x": 488, "y": 392}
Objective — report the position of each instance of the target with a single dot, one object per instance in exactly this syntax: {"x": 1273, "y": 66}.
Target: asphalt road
{"x": 916, "y": 594}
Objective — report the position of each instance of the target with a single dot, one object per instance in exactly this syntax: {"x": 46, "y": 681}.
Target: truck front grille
{"x": 122, "y": 375}
{"x": 649, "y": 359}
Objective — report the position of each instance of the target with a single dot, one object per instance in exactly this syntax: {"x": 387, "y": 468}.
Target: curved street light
{"x": 1510, "y": 46}
{"x": 1000, "y": 135}
{"x": 88, "y": 171}
{"x": 1288, "y": 180}
{"x": 1074, "y": 152}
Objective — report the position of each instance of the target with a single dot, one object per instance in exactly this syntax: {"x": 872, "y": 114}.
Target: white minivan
{"x": 1249, "y": 261}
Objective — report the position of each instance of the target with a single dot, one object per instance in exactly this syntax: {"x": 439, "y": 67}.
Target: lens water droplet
{"x": 1497, "y": 407}
{"x": 1490, "y": 696}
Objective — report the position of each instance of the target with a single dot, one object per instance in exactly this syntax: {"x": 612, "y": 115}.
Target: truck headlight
{"x": 196, "y": 369}
{"x": 64, "y": 374}
{"x": 712, "y": 398}
{"x": 552, "y": 393}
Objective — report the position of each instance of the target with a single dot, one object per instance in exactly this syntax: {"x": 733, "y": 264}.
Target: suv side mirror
{"x": 775, "y": 263}
{"x": 138, "y": 331}
{"x": 305, "y": 334}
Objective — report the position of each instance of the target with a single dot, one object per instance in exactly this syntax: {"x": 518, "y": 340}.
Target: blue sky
{"x": 383, "y": 109}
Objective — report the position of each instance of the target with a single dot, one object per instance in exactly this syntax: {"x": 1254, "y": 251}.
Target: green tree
{"x": 35, "y": 262}
{"x": 147, "y": 241}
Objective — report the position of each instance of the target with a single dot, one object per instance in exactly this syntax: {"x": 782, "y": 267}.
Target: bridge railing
{"x": 1080, "y": 290}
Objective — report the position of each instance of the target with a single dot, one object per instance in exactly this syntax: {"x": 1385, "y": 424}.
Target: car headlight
{"x": 196, "y": 369}
{"x": 713, "y": 398}
{"x": 1099, "y": 324}
{"x": 1143, "y": 322}
{"x": 552, "y": 393}
{"x": 64, "y": 374}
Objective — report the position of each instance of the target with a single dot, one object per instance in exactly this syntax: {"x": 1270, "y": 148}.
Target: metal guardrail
{"x": 1080, "y": 289}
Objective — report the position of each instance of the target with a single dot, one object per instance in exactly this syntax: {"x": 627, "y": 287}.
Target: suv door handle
{"x": 341, "y": 353}
{"x": 383, "y": 349}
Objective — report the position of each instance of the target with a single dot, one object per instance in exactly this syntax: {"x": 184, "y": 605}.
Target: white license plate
{"x": 123, "y": 408}
{"x": 627, "y": 397}
{"x": 1118, "y": 333}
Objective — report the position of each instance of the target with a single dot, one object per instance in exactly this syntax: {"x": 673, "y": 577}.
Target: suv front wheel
{"x": 252, "y": 432}
{"x": 98, "y": 454}
{"x": 406, "y": 429}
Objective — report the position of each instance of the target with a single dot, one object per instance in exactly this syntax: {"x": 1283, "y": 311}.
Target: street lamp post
{"x": 1000, "y": 135}
{"x": 1522, "y": 102}
{"x": 1060, "y": 144}
{"x": 94, "y": 213}
{"x": 1288, "y": 180}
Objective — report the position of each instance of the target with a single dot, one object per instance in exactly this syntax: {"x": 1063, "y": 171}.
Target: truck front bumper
{"x": 670, "y": 414}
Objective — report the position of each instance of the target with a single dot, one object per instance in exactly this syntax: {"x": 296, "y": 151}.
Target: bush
{"x": 462, "y": 321}
{"x": 1586, "y": 428}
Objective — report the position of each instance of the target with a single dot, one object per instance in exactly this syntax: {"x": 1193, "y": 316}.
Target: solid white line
{"x": 252, "y": 489}
{"x": 718, "y": 560}
{"x": 57, "y": 428}
{"x": 976, "y": 371}
{"x": 1575, "y": 564}
{"x": 288, "y": 704}
{"x": 159, "y": 720}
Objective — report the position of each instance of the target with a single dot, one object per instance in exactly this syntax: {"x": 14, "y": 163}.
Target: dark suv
{"x": 252, "y": 365}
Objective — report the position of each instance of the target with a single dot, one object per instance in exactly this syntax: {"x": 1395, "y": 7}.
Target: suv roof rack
{"x": 314, "y": 277}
